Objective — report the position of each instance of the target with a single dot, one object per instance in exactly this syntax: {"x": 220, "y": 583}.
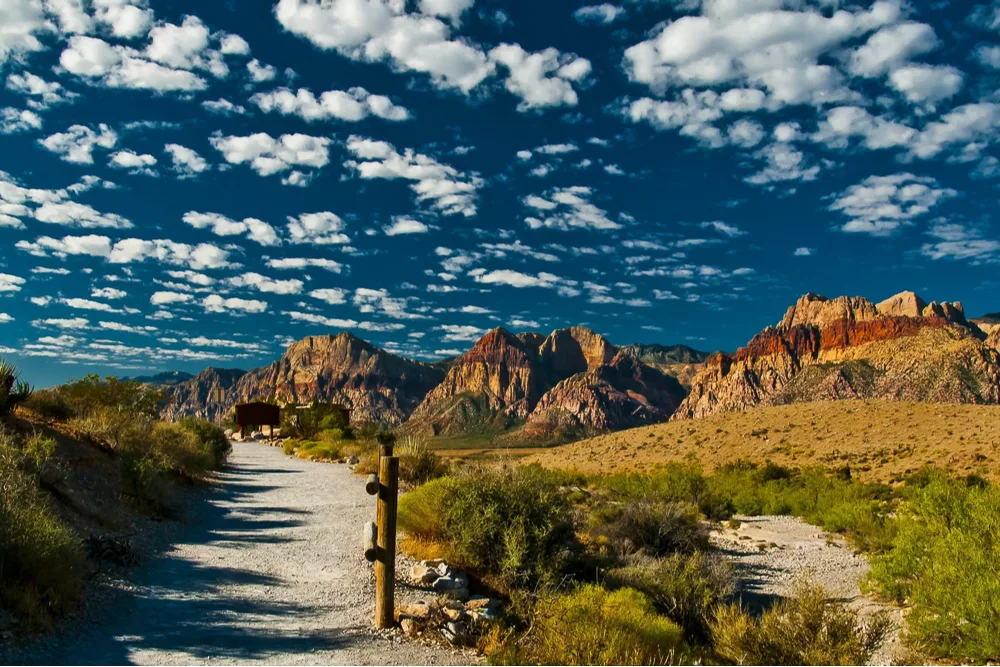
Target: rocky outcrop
{"x": 197, "y": 396}
{"x": 374, "y": 384}
{"x": 994, "y": 338}
{"x": 572, "y": 381}
{"x": 830, "y": 349}
{"x": 678, "y": 361}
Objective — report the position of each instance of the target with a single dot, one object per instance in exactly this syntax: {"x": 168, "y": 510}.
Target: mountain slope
{"x": 195, "y": 397}
{"x": 900, "y": 349}
{"x": 376, "y": 385}
{"x": 570, "y": 383}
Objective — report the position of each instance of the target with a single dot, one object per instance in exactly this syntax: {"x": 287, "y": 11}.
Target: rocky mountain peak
{"x": 575, "y": 350}
{"x": 818, "y": 311}
{"x": 904, "y": 304}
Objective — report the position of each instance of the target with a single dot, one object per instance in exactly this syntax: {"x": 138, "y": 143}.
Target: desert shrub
{"x": 48, "y": 404}
{"x": 307, "y": 423}
{"x": 144, "y": 480}
{"x": 595, "y": 626}
{"x": 127, "y": 397}
{"x": 120, "y": 430}
{"x": 327, "y": 451}
{"x": 945, "y": 561}
{"x": 417, "y": 463}
{"x": 651, "y": 527}
{"x": 685, "y": 588}
{"x": 37, "y": 450}
{"x": 13, "y": 390}
{"x": 801, "y": 630}
{"x": 180, "y": 449}
{"x": 503, "y": 523}
{"x": 674, "y": 482}
{"x": 212, "y": 437}
{"x": 289, "y": 446}
{"x": 40, "y": 559}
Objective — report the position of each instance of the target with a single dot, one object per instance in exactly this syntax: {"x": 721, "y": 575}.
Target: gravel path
{"x": 771, "y": 553}
{"x": 268, "y": 571}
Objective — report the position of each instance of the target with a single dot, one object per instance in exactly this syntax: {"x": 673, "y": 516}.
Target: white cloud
{"x": 166, "y": 298}
{"x": 330, "y": 295}
{"x": 568, "y": 208}
{"x": 234, "y": 45}
{"x": 21, "y": 21}
{"x": 881, "y": 204}
{"x": 265, "y": 284}
{"x": 260, "y": 72}
{"x": 379, "y": 300}
{"x": 77, "y": 143}
{"x": 74, "y": 214}
{"x": 520, "y": 280}
{"x": 122, "y": 67}
{"x": 783, "y": 162}
{"x": 961, "y": 125}
{"x": 305, "y": 262}
{"x": 926, "y": 83}
{"x": 14, "y": 120}
{"x": 137, "y": 164}
{"x": 876, "y": 132}
{"x": 353, "y": 105}
{"x": 382, "y": 30}
{"x": 445, "y": 188}
{"x": 724, "y": 228}
{"x": 455, "y": 333}
{"x": 323, "y": 228}
{"x": 41, "y": 94}
{"x": 957, "y": 242}
{"x": 88, "y": 304}
{"x": 5, "y": 318}
{"x": 338, "y": 323}
{"x": 186, "y": 161}
{"x": 267, "y": 155}
{"x": 126, "y": 251}
{"x": 804, "y": 252}
{"x": 604, "y": 13}
{"x": 223, "y": 107}
{"x": 892, "y": 46}
{"x": 11, "y": 283}
{"x": 107, "y": 293}
{"x": 745, "y": 133}
{"x": 761, "y": 43}
{"x": 403, "y": 225}
{"x": 255, "y": 230}
{"x": 214, "y": 303}
{"x": 63, "y": 323}
{"x": 127, "y": 19}
{"x": 542, "y": 79}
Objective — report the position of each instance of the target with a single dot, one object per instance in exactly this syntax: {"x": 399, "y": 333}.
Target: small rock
{"x": 353, "y": 461}
{"x": 419, "y": 610}
{"x": 423, "y": 574}
{"x": 443, "y": 569}
{"x": 454, "y": 614}
{"x": 488, "y": 614}
{"x": 481, "y": 602}
{"x": 410, "y": 627}
{"x": 434, "y": 563}
{"x": 454, "y": 633}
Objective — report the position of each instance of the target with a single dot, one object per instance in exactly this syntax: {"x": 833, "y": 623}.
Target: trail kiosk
{"x": 257, "y": 414}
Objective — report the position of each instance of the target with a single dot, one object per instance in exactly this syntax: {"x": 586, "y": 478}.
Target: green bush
{"x": 506, "y": 524}
{"x": 417, "y": 463}
{"x": 307, "y": 423}
{"x": 211, "y": 437}
{"x": 801, "y": 630}
{"x": 685, "y": 588}
{"x": 144, "y": 480}
{"x": 180, "y": 449}
{"x": 48, "y": 404}
{"x": 594, "y": 626}
{"x": 327, "y": 451}
{"x": 41, "y": 561}
{"x": 675, "y": 482}
{"x": 126, "y": 397}
{"x": 652, "y": 527}
{"x": 945, "y": 561}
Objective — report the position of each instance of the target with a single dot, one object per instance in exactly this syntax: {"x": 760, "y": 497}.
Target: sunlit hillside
{"x": 879, "y": 440}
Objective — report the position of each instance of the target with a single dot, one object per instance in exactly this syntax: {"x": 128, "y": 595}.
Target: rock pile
{"x": 455, "y": 615}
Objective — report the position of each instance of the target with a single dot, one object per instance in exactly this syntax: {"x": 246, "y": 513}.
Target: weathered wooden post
{"x": 385, "y": 561}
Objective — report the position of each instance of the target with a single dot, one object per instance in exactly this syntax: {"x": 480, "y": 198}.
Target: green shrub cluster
{"x": 507, "y": 524}
{"x": 594, "y": 626}
{"x": 804, "y": 629}
{"x": 41, "y": 561}
{"x": 13, "y": 390}
{"x": 945, "y": 562}
{"x": 651, "y": 526}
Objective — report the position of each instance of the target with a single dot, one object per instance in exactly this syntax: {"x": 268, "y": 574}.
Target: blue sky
{"x": 185, "y": 183}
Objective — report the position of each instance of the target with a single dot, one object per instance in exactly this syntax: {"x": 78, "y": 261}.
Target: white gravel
{"x": 771, "y": 553}
{"x": 268, "y": 571}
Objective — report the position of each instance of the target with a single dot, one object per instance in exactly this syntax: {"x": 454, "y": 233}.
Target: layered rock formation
{"x": 679, "y": 361}
{"x": 376, "y": 385}
{"x": 571, "y": 382}
{"x": 196, "y": 396}
{"x": 826, "y": 349}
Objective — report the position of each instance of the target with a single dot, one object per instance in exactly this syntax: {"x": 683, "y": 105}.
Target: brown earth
{"x": 879, "y": 440}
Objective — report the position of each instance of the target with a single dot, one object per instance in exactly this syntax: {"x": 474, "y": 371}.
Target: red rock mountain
{"x": 571, "y": 382}
{"x": 376, "y": 385}
{"x": 825, "y": 349}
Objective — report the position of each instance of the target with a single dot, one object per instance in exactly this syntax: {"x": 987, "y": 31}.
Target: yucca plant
{"x": 13, "y": 389}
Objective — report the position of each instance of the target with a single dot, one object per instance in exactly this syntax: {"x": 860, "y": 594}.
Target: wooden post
{"x": 371, "y": 485}
{"x": 385, "y": 562}
{"x": 370, "y": 541}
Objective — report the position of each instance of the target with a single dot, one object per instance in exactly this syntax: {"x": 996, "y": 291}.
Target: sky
{"x": 185, "y": 184}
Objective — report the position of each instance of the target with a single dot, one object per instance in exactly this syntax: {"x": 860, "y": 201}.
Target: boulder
{"x": 451, "y": 582}
{"x": 423, "y": 574}
{"x": 410, "y": 627}
{"x": 418, "y": 610}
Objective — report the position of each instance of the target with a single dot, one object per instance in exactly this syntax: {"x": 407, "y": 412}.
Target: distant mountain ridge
{"x": 164, "y": 379}
{"x": 902, "y": 348}
{"x": 547, "y": 387}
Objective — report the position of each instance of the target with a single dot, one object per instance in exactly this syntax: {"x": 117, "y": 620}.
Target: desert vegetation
{"x": 43, "y": 561}
{"x": 633, "y": 551}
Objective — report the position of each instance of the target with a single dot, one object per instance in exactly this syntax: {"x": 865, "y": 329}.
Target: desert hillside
{"x": 879, "y": 440}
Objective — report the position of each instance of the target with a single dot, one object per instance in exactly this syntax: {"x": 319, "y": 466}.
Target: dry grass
{"x": 879, "y": 440}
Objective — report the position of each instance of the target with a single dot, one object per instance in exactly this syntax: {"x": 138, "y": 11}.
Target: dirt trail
{"x": 771, "y": 553}
{"x": 268, "y": 571}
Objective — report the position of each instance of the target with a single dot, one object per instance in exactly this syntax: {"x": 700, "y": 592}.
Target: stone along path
{"x": 267, "y": 570}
